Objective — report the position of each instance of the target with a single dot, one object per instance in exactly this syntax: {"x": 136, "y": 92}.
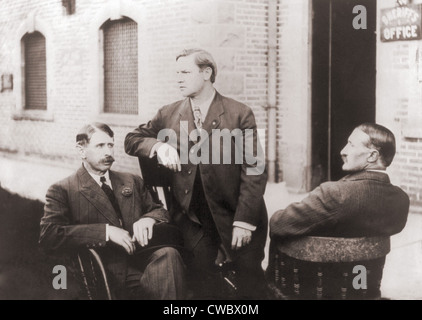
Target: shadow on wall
{"x": 25, "y": 271}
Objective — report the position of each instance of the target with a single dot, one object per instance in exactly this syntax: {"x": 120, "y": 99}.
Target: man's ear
{"x": 81, "y": 150}
{"x": 207, "y": 72}
{"x": 374, "y": 156}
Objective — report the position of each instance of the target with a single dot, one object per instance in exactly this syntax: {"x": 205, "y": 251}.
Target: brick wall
{"x": 410, "y": 158}
{"x": 234, "y": 31}
{"x": 399, "y": 100}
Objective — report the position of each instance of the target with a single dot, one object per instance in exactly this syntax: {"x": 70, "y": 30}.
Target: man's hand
{"x": 122, "y": 238}
{"x": 241, "y": 238}
{"x": 168, "y": 157}
{"x": 142, "y": 230}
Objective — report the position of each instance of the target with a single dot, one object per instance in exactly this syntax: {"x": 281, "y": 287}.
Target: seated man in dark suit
{"x": 362, "y": 204}
{"x": 113, "y": 212}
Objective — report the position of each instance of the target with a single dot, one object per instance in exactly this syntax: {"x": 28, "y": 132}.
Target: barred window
{"x": 120, "y": 43}
{"x": 35, "y": 75}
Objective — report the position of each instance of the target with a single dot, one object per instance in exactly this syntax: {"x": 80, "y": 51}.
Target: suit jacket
{"x": 77, "y": 210}
{"x": 231, "y": 193}
{"x": 361, "y": 204}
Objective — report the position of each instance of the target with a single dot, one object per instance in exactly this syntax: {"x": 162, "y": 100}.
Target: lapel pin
{"x": 127, "y": 191}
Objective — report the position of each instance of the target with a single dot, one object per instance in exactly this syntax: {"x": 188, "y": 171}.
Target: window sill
{"x": 129, "y": 120}
{"x": 412, "y": 133}
{"x": 33, "y": 115}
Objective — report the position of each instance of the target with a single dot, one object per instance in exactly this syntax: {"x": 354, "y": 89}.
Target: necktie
{"x": 107, "y": 190}
{"x": 198, "y": 117}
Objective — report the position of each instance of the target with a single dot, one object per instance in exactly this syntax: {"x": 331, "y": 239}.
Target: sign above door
{"x": 401, "y": 23}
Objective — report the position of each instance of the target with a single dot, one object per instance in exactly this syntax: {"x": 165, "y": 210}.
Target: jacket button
{"x": 190, "y": 171}
{"x": 186, "y": 191}
{"x": 213, "y": 123}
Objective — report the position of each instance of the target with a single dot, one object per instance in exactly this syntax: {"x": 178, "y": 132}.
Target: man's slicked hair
{"x": 203, "y": 59}
{"x": 382, "y": 139}
{"x": 85, "y": 134}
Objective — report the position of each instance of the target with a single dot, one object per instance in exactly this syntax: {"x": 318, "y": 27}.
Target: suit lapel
{"x": 96, "y": 196}
{"x": 213, "y": 118}
{"x": 124, "y": 193}
{"x": 186, "y": 116}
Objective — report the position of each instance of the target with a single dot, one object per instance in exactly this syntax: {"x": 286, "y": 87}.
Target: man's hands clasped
{"x": 142, "y": 232}
{"x": 122, "y": 238}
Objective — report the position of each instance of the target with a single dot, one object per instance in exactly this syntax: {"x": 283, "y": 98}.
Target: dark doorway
{"x": 343, "y": 81}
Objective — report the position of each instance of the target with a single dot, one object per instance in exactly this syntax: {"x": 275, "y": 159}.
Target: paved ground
{"x": 402, "y": 273}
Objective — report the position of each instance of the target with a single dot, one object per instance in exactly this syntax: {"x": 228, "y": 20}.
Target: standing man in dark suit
{"x": 111, "y": 211}
{"x": 217, "y": 184}
{"x": 362, "y": 204}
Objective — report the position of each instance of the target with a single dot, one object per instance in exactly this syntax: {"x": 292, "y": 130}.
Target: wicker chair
{"x": 93, "y": 275}
{"x": 323, "y": 268}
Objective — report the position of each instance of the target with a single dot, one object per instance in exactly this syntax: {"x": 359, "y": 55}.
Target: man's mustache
{"x": 108, "y": 159}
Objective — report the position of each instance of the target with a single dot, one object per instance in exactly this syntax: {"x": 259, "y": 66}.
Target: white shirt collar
{"x": 97, "y": 178}
{"x": 205, "y": 106}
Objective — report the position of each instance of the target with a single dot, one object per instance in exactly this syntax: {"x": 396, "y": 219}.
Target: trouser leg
{"x": 163, "y": 277}
{"x": 202, "y": 278}
{"x": 208, "y": 283}
{"x": 250, "y": 276}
